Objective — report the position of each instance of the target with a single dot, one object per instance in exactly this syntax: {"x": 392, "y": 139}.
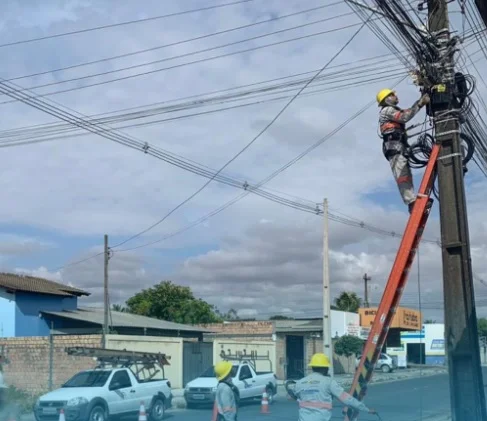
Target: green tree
{"x": 173, "y": 303}
{"x": 482, "y": 326}
{"x": 120, "y": 308}
{"x": 348, "y": 301}
{"x": 347, "y": 346}
{"x": 229, "y": 315}
{"x": 280, "y": 317}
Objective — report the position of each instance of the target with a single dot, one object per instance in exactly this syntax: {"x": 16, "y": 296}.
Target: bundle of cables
{"x": 420, "y": 151}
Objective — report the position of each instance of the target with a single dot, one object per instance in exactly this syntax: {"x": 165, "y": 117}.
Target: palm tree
{"x": 120, "y": 308}
{"x": 348, "y": 301}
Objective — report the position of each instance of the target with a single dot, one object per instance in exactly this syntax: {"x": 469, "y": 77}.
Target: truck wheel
{"x": 98, "y": 413}
{"x": 386, "y": 369}
{"x": 157, "y": 410}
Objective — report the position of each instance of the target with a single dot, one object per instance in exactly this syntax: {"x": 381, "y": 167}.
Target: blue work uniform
{"x": 226, "y": 402}
{"x": 315, "y": 394}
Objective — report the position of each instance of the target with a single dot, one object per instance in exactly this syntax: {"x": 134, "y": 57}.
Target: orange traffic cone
{"x": 61, "y": 415}
{"x": 214, "y": 416}
{"x": 142, "y": 414}
{"x": 264, "y": 409}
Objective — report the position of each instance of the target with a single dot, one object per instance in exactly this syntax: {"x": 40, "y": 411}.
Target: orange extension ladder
{"x": 395, "y": 284}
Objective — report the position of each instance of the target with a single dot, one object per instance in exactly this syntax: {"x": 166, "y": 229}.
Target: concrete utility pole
{"x": 105, "y": 293}
{"x": 327, "y": 342}
{"x": 366, "y": 294}
{"x": 462, "y": 344}
{"x": 482, "y": 7}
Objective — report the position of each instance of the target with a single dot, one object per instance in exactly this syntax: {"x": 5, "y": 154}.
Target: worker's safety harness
{"x": 395, "y": 142}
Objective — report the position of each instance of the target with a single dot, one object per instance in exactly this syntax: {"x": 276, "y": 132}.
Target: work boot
{"x": 411, "y": 206}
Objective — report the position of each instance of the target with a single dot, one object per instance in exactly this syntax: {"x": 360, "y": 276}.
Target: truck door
{"x": 122, "y": 393}
{"x": 247, "y": 380}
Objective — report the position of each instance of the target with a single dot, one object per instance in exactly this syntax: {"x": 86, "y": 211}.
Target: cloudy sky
{"x": 60, "y": 196}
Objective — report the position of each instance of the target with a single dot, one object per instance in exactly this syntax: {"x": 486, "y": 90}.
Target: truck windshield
{"x": 96, "y": 378}
{"x": 210, "y": 372}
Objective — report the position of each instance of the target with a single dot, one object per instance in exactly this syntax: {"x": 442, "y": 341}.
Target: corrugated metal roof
{"x": 19, "y": 282}
{"x": 119, "y": 319}
{"x": 298, "y": 325}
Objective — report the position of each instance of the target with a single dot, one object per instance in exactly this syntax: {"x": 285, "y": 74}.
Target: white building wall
{"x": 341, "y": 322}
{"x": 433, "y": 338}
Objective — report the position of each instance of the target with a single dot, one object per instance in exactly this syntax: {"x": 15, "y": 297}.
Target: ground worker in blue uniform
{"x": 316, "y": 391}
{"x": 225, "y": 395}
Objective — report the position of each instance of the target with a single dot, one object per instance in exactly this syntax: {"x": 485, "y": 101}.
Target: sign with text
{"x": 405, "y": 318}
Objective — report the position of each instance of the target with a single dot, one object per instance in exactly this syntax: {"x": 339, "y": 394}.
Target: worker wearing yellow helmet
{"x": 225, "y": 393}
{"x": 316, "y": 391}
{"x": 392, "y": 123}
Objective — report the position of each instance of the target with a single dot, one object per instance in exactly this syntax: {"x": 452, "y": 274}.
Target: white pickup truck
{"x": 250, "y": 384}
{"x": 103, "y": 393}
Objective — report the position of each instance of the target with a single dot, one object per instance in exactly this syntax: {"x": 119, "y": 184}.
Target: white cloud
{"x": 41, "y": 272}
{"x": 256, "y": 256}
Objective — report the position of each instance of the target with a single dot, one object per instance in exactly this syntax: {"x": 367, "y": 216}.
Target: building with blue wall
{"x": 24, "y": 298}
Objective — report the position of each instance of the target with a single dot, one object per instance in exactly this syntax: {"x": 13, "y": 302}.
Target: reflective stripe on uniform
{"x": 390, "y": 125}
{"x": 311, "y": 404}
{"x": 405, "y": 179}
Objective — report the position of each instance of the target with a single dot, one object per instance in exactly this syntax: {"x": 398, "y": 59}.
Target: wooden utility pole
{"x": 467, "y": 397}
{"x": 327, "y": 342}
{"x": 366, "y": 292}
{"x": 105, "y": 293}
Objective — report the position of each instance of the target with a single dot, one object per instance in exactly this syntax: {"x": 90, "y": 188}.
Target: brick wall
{"x": 28, "y": 368}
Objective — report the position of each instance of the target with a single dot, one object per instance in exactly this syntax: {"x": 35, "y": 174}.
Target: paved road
{"x": 404, "y": 400}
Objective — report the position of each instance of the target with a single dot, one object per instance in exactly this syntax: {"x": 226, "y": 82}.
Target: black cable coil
{"x": 420, "y": 151}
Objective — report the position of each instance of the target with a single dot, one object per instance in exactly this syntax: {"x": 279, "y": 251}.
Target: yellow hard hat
{"x": 222, "y": 369}
{"x": 383, "y": 94}
{"x": 319, "y": 360}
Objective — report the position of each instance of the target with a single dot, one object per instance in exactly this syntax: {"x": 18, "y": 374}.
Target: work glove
{"x": 424, "y": 100}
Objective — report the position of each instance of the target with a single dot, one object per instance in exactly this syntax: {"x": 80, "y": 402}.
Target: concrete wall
{"x": 28, "y": 306}
{"x": 172, "y": 347}
{"x": 7, "y": 314}
{"x": 261, "y": 347}
{"x": 312, "y": 345}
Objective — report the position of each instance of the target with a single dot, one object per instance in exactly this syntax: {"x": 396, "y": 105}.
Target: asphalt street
{"x": 403, "y": 400}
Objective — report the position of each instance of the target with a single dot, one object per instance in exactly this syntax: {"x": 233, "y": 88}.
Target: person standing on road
{"x": 225, "y": 395}
{"x": 316, "y": 391}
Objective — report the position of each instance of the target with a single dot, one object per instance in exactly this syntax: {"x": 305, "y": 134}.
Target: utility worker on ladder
{"x": 316, "y": 391}
{"x": 225, "y": 395}
{"x": 392, "y": 122}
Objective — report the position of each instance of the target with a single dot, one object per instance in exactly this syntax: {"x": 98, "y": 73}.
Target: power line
{"x": 173, "y": 44}
{"x": 49, "y": 133}
{"x": 250, "y": 143}
{"x": 130, "y": 22}
{"x": 173, "y": 66}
